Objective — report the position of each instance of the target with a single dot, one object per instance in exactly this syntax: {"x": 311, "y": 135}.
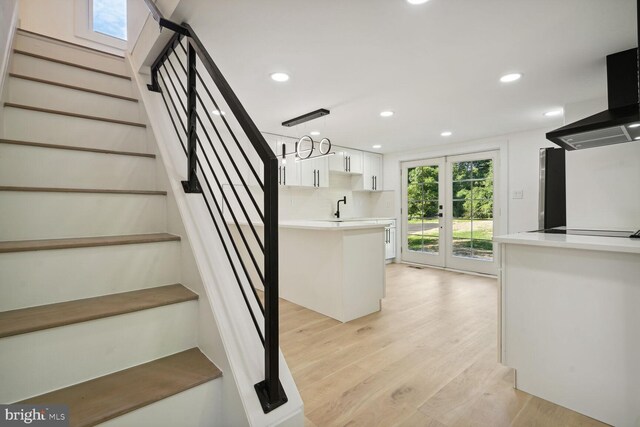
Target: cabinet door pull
{"x": 346, "y": 168}
{"x": 372, "y": 183}
{"x": 279, "y": 175}
{"x": 318, "y": 177}
{"x": 349, "y": 164}
{"x": 284, "y": 175}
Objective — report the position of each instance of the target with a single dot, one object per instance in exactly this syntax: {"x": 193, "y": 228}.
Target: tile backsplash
{"x": 297, "y": 203}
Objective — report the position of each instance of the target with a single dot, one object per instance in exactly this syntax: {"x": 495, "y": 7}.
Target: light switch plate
{"x": 518, "y": 194}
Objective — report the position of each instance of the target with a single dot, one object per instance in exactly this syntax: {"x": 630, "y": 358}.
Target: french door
{"x": 448, "y": 212}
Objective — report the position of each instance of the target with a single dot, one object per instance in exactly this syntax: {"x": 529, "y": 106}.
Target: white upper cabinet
{"x": 371, "y": 179}
{"x": 314, "y": 173}
{"x": 288, "y": 168}
{"x": 346, "y": 160}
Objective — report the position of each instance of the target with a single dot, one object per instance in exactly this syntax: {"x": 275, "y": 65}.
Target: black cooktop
{"x": 582, "y": 232}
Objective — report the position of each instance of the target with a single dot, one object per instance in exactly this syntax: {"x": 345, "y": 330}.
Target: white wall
{"x": 603, "y": 184}
{"x": 55, "y": 18}
{"x": 8, "y": 22}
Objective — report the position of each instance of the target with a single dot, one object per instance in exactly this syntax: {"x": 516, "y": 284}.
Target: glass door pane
{"x": 472, "y": 209}
{"x": 423, "y": 230}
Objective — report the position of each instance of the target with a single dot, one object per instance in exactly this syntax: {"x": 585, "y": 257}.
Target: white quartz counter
{"x": 329, "y": 225}
{"x": 593, "y": 243}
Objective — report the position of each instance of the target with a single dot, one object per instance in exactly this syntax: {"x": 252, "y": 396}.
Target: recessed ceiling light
{"x": 386, "y": 114}
{"x": 446, "y": 133}
{"x": 508, "y": 78}
{"x": 314, "y": 133}
{"x": 635, "y": 125}
{"x": 417, "y": 1}
{"x": 553, "y": 113}
{"x": 376, "y": 146}
{"x": 280, "y": 77}
{"x": 218, "y": 112}
{"x": 637, "y": 138}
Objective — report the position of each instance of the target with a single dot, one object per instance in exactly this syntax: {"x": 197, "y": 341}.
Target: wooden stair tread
{"x": 70, "y": 64}
{"x": 68, "y": 86}
{"x": 31, "y": 319}
{"x": 70, "y": 114}
{"x": 102, "y": 52}
{"x": 82, "y": 190}
{"x": 74, "y": 148}
{"x": 104, "y": 398}
{"x": 84, "y": 242}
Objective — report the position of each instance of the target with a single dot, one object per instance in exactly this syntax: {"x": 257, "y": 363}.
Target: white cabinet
{"x": 346, "y": 160}
{"x": 371, "y": 178}
{"x": 390, "y": 246}
{"x": 288, "y": 169}
{"x": 314, "y": 173}
{"x": 389, "y": 238}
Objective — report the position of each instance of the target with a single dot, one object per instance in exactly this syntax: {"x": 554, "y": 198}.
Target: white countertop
{"x": 329, "y": 225}
{"x": 592, "y": 243}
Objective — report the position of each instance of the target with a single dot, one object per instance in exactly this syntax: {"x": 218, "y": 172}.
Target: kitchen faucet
{"x": 343, "y": 200}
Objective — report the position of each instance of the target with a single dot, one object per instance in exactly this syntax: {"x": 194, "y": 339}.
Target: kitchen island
{"x": 334, "y": 268}
{"x": 570, "y": 321}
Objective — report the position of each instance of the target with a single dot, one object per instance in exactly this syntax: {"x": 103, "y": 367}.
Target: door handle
{"x": 440, "y": 215}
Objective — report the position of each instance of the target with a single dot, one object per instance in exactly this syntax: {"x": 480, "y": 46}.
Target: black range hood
{"x": 621, "y": 122}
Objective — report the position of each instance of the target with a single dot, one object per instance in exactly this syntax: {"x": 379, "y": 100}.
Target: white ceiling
{"x": 435, "y": 65}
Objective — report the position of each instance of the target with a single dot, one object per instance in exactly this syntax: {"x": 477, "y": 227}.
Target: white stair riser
{"x": 43, "y": 361}
{"x": 26, "y": 92}
{"x": 56, "y": 129}
{"x": 47, "y": 167}
{"x": 43, "y": 215}
{"x": 199, "y": 406}
{"x": 46, "y": 277}
{"x": 65, "y": 52}
{"x": 47, "y": 70}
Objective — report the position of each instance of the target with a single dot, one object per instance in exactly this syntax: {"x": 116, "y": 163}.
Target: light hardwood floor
{"x": 427, "y": 359}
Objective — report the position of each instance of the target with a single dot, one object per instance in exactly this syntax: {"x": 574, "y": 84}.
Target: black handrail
{"x": 270, "y": 391}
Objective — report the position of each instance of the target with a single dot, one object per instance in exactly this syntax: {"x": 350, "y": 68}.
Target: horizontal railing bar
{"x": 215, "y": 128}
{"x": 224, "y": 120}
{"x": 251, "y": 286}
{"x": 226, "y": 174}
{"x": 233, "y": 135}
{"x": 221, "y": 189}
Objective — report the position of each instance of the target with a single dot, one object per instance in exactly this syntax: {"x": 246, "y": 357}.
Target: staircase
{"x": 92, "y": 312}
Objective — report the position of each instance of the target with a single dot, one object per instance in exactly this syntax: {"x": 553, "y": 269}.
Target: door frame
{"x": 501, "y": 146}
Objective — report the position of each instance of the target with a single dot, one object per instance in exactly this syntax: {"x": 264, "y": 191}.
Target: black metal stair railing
{"x": 222, "y": 152}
